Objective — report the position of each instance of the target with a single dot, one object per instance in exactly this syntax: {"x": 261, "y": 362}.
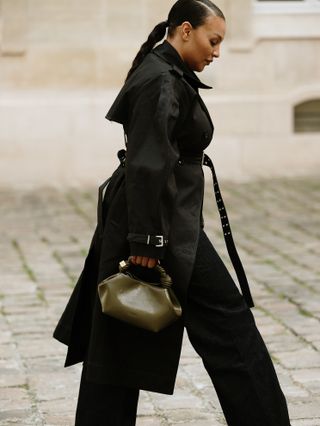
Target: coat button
{"x": 206, "y": 136}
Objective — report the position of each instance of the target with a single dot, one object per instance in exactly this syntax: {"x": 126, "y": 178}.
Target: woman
{"x": 152, "y": 212}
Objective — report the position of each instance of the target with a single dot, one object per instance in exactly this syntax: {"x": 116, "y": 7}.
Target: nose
{"x": 216, "y": 51}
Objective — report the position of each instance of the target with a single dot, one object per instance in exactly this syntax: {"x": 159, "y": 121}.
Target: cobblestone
{"x": 45, "y": 234}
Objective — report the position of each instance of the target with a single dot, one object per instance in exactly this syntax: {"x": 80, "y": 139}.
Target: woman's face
{"x": 202, "y": 44}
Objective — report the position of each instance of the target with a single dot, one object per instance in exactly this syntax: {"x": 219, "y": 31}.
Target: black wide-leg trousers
{"x": 222, "y": 330}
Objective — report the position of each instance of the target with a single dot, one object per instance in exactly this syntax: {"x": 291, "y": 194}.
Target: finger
{"x": 132, "y": 259}
{"x": 152, "y": 263}
{"x": 144, "y": 261}
{"x": 138, "y": 260}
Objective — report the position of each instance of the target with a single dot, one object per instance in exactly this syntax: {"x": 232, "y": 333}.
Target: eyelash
{"x": 213, "y": 43}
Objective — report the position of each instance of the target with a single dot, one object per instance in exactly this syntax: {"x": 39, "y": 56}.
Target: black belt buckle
{"x": 160, "y": 242}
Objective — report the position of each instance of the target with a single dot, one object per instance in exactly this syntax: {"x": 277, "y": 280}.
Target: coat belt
{"x": 204, "y": 160}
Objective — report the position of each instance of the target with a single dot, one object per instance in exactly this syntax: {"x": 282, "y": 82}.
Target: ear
{"x": 186, "y": 29}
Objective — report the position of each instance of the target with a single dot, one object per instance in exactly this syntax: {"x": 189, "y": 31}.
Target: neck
{"x": 177, "y": 45}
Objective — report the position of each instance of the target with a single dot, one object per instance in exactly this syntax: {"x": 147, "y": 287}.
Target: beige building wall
{"x": 63, "y": 61}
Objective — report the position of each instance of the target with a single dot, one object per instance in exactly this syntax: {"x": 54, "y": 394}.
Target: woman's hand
{"x": 150, "y": 262}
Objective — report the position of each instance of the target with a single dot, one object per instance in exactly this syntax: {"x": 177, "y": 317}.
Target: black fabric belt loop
{"x": 191, "y": 159}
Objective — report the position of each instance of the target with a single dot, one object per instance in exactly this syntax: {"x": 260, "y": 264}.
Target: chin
{"x": 200, "y": 68}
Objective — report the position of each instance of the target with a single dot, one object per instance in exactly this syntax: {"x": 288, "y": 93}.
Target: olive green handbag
{"x": 152, "y": 306}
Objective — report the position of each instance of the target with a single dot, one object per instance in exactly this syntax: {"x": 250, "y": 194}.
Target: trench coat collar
{"x": 169, "y": 54}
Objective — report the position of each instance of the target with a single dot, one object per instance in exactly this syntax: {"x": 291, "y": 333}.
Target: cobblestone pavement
{"x": 44, "y": 238}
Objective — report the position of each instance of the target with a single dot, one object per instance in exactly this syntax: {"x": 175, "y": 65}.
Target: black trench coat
{"x": 154, "y": 194}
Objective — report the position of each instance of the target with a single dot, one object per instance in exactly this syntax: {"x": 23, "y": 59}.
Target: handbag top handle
{"x": 165, "y": 279}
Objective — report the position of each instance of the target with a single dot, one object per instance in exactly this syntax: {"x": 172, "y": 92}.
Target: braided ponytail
{"x": 156, "y": 35}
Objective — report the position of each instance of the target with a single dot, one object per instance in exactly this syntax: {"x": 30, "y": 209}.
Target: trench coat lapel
{"x": 205, "y": 109}
{"x": 168, "y": 53}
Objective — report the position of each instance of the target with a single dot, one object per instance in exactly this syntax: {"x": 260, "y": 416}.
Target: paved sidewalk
{"x": 44, "y": 238}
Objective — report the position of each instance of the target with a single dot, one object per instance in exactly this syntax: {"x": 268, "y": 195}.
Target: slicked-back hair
{"x": 193, "y": 11}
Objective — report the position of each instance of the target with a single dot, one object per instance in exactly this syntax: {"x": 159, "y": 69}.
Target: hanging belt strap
{"x": 102, "y": 188}
{"x": 100, "y": 202}
{"x": 236, "y": 262}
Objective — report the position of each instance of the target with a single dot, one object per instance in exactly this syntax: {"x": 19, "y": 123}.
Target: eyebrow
{"x": 218, "y": 35}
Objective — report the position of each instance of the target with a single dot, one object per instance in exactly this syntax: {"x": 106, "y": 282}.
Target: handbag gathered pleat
{"x": 148, "y": 305}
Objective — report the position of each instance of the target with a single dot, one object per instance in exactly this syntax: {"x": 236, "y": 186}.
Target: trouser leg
{"x": 105, "y": 405}
{"x": 222, "y": 330}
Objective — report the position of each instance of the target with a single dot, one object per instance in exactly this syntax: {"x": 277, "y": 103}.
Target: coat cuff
{"x": 154, "y": 240}
{"x": 140, "y": 249}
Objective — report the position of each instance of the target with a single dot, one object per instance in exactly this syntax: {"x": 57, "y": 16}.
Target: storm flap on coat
{"x": 164, "y": 118}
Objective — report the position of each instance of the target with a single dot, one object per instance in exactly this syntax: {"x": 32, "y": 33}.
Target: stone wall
{"x": 77, "y": 44}
{"x": 63, "y": 61}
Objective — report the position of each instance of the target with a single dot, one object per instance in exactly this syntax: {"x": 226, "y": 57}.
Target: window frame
{"x": 286, "y": 19}
{"x": 284, "y": 7}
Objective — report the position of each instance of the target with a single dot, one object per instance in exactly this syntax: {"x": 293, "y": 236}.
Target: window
{"x": 307, "y": 116}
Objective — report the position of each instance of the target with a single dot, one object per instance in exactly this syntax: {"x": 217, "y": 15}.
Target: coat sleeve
{"x": 152, "y": 154}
